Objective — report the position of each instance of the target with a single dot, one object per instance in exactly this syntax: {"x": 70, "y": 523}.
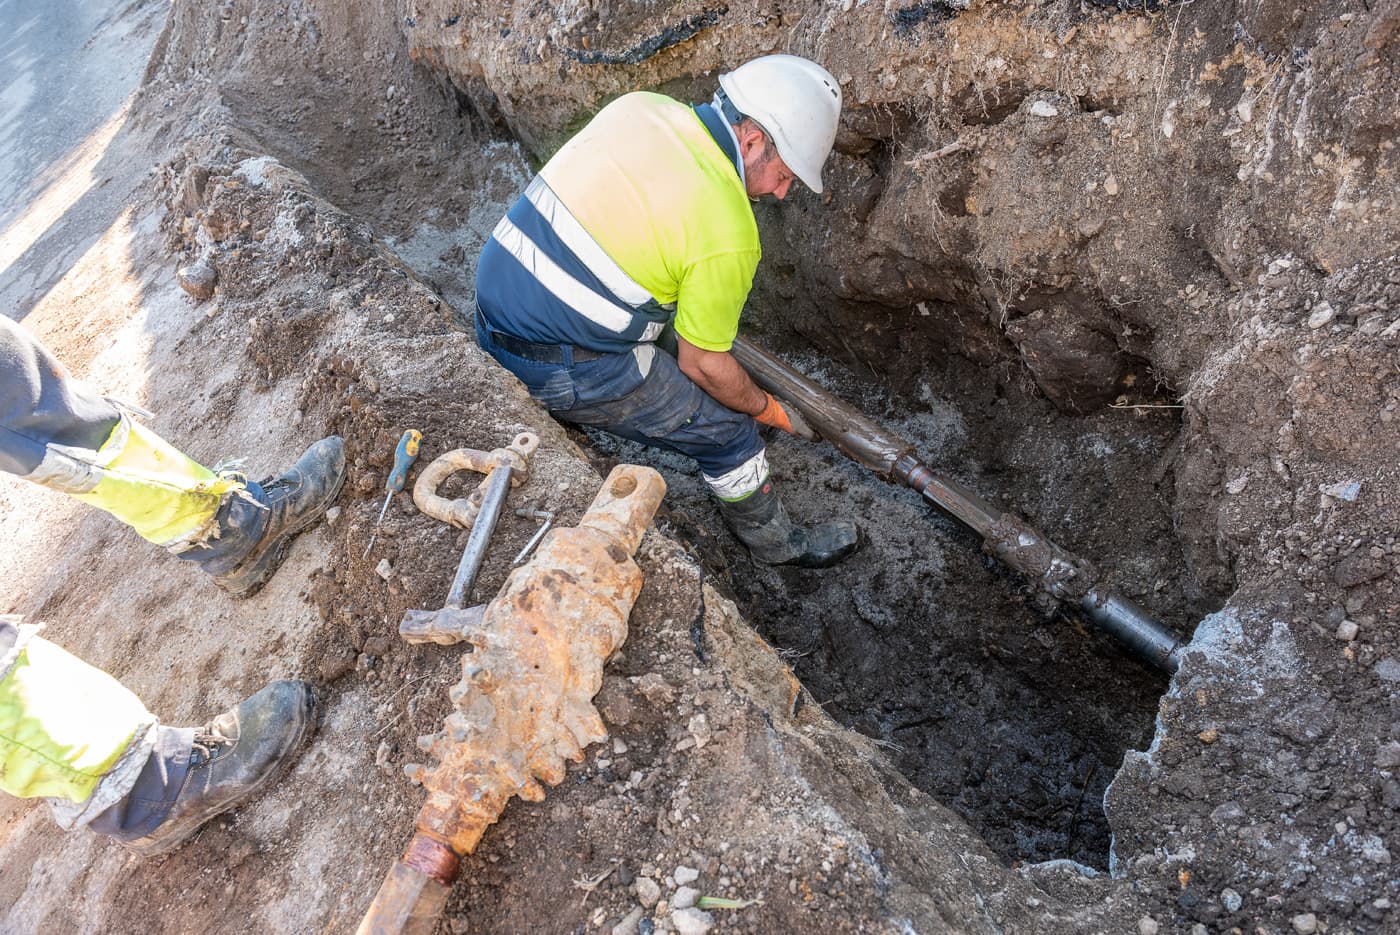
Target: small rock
{"x": 648, "y": 891}
{"x": 1228, "y": 812}
{"x": 1110, "y": 185}
{"x": 1044, "y": 109}
{"x": 1347, "y": 490}
{"x": 384, "y": 569}
{"x": 685, "y": 897}
{"x": 381, "y": 756}
{"x": 630, "y": 924}
{"x": 1388, "y": 757}
{"x": 1374, "y": 849}
{"x": 1237, "y": 485}
{"x": 1209, "y": 735}
{"x": 684, "y": 875}
{"x": 1358, "y": 568}
{"x": 336, "y": 665}
{"x": 1147, "y": 926}
{"x": 619, "y": 746}
{"x": 377, "y": 646}
{"x": 333, "y": 514}
{"x": 1347, "y": 630}
{"x": 692, "y": 921}
{"x": 1231, "y": 900}
{"x": 1305, "y": 923}
{"x": 1388, "y": 669}
{"x": 656, "y": 690}
{"x": 197, "y": 279}
{"x": 1322, "y": 314}
{"x": 699, "y": 728}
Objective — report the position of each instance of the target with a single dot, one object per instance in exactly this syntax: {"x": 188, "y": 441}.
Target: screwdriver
{"x": 404, "y": 456}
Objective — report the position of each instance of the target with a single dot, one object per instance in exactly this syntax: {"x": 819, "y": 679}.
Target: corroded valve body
{"x": 524, "y": 704}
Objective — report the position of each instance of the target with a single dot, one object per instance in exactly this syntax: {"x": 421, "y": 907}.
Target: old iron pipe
{"x": 1058, "y": 573}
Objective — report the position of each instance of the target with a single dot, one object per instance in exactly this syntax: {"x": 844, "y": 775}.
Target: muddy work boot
{"x": 234, "y": 756}
{"x": 761, "y": 523}
{"x": 256, "y": 529}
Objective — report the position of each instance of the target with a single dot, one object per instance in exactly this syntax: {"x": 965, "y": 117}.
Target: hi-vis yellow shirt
{"x": 657, "y": 193}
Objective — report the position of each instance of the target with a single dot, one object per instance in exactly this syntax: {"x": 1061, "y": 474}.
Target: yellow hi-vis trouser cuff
{"x": 63, "y": 724}
{"x": 144, "y": 481}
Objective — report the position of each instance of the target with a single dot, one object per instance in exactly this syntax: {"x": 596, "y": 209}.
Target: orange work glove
{"x": 785, "y": 418}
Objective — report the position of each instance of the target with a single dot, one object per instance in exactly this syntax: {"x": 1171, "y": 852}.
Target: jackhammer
{"x": 1059, "y": 575}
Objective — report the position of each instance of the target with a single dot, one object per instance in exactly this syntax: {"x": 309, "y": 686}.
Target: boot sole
{"x": 180, "y": 831}
{"x": 266, "y": 563}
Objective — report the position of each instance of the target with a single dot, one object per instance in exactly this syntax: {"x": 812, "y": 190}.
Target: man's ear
{"x": 749, "y": 136}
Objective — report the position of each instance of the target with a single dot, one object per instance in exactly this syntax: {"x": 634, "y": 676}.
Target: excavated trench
{"x": 1015, "y": 719}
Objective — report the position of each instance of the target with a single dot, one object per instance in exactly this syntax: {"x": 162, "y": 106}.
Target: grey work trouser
{"x": 42, "y": 407}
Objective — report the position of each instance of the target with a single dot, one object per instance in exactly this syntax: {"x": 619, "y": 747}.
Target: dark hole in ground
{"x": 1016, "y": 721}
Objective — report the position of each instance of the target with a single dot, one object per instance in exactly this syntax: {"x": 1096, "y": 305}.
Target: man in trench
{"x": 614, "y": 285}
{"x": 71, "y": 733}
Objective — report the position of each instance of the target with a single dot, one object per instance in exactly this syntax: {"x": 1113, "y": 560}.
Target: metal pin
{"x": 548, "y": 523}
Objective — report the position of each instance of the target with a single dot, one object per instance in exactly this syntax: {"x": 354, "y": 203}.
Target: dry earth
{"x": 1148, "y": 300}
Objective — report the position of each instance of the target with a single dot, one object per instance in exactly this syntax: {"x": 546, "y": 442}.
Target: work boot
{"x": 256, "y": 533}
{"x": 234, "y": 756}
{"x": 761, "y": 523}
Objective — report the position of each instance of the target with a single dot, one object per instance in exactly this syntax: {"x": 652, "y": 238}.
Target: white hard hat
{"x": 797, "y": 101}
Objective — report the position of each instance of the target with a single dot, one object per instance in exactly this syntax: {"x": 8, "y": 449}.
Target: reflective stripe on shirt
{"x": 560, "y": 284}
{"x": 584, "y": 246}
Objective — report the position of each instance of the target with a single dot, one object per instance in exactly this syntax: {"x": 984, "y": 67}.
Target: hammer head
{"x": 444, "y": 627}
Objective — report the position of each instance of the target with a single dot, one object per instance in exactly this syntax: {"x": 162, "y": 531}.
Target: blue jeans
{"x": 640, "y": 395}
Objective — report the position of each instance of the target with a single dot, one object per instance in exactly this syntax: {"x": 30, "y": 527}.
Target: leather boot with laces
{"x": 256, "y": 527}
{"x": 234, "y": 756}
{"x": 761, "y": 523}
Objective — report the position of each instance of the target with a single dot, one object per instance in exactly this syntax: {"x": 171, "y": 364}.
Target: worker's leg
{"x": 71, "y": 733}
{"x": 644, "y": 396}
{"x": 56, "y": 433}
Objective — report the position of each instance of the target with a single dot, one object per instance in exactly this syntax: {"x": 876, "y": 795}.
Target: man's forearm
{"x": 720, "y": 375}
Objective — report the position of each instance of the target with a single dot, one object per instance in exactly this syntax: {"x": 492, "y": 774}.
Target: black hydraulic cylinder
{"x": 1057, "y": 573}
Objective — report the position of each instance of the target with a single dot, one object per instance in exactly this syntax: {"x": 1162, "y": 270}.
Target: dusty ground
{"x": 950, "y": 751}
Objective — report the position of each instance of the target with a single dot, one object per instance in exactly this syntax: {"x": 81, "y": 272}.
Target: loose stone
{"x": 692, "y": 921}
{"x": 197, "y": 279}
{"x": 648, "y": 891}
{"x": 630, "y": 924}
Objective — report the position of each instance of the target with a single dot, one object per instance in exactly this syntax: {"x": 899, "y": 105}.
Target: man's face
{"x": 765, "y": 173}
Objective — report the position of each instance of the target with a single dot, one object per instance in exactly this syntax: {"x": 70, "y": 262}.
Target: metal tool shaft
{"x": 1062, "y": 575}
{"x": 545, "y": 527}
{"x": 497, "y": 486}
